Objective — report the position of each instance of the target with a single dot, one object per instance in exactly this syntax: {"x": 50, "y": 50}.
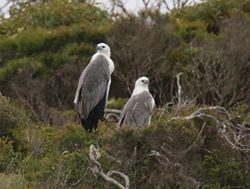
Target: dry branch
{"x": 5, "y": 5}
{"x": 236, "y": 134}
{"x": 112, "y": 114}
{"x": 114, "y": 111}
{"x": 118, "y": 4}
{"x": 175, "y": 4}
{"x": 179, "y": 89}
{"x": 96, "y": 168}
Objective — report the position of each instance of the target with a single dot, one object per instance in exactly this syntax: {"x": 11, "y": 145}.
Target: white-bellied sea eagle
{"x": 138, "y": 109}
{"x": 93, "y": 87}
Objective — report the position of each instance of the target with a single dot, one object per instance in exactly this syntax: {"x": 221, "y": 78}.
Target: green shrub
{"x": 53, "y": 14}
{"x": 11, "y": 116}
{"x": 58, "y": 156}
{"x": 6, "y": 153}
{"x": 116, "y": 103}
{"x": 31, "y": 40}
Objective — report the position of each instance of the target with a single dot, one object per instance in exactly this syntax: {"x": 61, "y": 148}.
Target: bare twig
{"x": 197, "y": 137}
{"x": 235, "y": 134}
{"x": 96, "y": 168}
{"x": 114, "y": 111}
{"x": 5, "y": 5}
{"x": 146, "y": 2}
{"x": 179, "y": 89}
{"x": 127, "y": 182}
{"x": 175, "y": 4}
{"x": 199, "y": 112}
{"x": 112, "y": 114}
{"x": 120, "y": 5}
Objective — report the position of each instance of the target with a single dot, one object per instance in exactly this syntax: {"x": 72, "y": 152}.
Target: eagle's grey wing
{"x": 137, "y": 111}
{"x": 91, "y": 92}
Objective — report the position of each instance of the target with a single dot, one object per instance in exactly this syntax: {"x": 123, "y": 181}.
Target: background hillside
{"x": 199, "y": 136}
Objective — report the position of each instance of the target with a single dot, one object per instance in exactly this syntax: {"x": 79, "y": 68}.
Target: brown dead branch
{"x": 96, "y": 168}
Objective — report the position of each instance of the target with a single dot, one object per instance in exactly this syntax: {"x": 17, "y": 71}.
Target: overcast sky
{"x": 131, "y": 5}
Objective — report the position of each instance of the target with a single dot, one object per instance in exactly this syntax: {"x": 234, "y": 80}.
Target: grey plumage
{"x": 92, "y": 91}
{"x": 138, "y": 109}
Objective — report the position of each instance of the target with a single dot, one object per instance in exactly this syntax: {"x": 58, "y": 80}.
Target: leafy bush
{"x": 53, "y": 14}
{"x": 145, "y": 43}
{"x": 11, "y": 116}
{"x": 6, "y": 153}
{"x": 210, "y": 12}
{"x": 116, "y": 103}
{"x": 220, "y": 68}
{"x": 168, "y": 154}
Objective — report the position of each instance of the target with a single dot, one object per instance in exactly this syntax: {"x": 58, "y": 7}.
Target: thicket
{"x": 203, "y": 42}
{"x": 171, "y": 153}
{"x": 44, "y": 46}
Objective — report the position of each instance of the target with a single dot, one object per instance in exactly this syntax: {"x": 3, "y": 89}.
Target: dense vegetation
{"x": 45, "y": 45}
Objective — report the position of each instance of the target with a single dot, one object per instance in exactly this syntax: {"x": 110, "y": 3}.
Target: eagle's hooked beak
{"x": 98, "y": 48}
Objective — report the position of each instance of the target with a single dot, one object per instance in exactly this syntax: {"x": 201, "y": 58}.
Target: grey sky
{"x": 2, "y": 3}
{"x": 131, "y": 5}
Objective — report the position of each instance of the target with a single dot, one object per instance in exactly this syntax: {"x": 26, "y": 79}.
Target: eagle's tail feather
{"x": 92, "y": 120}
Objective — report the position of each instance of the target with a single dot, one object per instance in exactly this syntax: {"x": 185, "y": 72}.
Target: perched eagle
{"x": 93, "y": 87}
{"x": 138, "y": 109}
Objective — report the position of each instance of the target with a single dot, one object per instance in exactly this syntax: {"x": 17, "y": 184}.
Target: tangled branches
{"x": 236, "y": 134}
{"x": 96, "y": 168}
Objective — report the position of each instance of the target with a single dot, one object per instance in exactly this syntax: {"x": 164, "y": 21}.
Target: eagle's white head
{"x": 142, "y": 81}
{"x": 141, "y": 85}
{"x": 103, "y": 49}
